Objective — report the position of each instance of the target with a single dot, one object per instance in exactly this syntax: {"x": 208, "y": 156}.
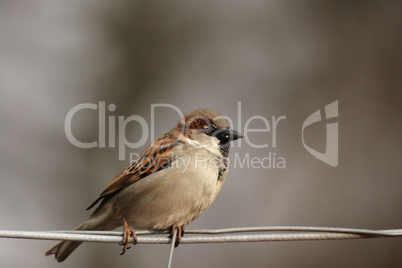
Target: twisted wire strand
{"x": 245, "y": 234}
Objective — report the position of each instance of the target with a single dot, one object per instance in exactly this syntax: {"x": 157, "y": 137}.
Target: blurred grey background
{"x": 274, "y": 57}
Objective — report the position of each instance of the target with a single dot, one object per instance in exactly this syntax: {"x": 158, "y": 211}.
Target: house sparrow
{"x": 173, "y": 181}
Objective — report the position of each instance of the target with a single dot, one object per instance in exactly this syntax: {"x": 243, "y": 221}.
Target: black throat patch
{"x": 223, "y": 167}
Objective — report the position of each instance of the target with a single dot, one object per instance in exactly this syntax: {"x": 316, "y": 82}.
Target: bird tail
{"x": 95, "y": 222}
{"x": 64, "y": 248}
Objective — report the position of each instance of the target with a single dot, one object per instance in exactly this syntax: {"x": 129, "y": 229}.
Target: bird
{"x": 173, "y": 181}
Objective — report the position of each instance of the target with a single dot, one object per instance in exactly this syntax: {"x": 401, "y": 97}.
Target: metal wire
{"x": 172, "y": 246}
{"x": 247, "y": 234}
{"x": 390, "y": 232}
{"x": 231, "y": 235}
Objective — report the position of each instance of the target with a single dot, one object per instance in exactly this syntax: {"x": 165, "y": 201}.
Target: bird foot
{"x": 180, "y": 233}
{"x": 127, "y": 234}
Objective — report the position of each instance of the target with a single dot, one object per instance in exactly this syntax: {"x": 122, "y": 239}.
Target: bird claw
{"x": 180, "y": 233}
{"x": 127, "y": 234}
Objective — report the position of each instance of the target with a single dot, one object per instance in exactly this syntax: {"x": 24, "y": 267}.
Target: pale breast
{"x": 174, "y": 196}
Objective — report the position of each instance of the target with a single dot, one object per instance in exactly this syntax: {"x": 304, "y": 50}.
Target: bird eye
{"x": 210, "y": 129}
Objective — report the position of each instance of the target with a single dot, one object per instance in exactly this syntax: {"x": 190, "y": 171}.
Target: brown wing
{"x": 155, "y": 158}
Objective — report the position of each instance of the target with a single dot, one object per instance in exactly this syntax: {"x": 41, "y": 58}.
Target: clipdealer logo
{"x": 109, "y": 137}
{"x": 330, "y": 156}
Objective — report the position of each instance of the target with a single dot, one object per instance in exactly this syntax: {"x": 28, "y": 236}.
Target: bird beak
{"x": 234, "y": 135}
{"x": 226, "y": 136}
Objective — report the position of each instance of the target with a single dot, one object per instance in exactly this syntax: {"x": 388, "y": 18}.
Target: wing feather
{"x": 154, "y": 158}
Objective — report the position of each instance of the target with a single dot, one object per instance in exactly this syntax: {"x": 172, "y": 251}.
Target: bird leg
{"x": 127, "y": 234}
{"x": 180, "y": 233}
